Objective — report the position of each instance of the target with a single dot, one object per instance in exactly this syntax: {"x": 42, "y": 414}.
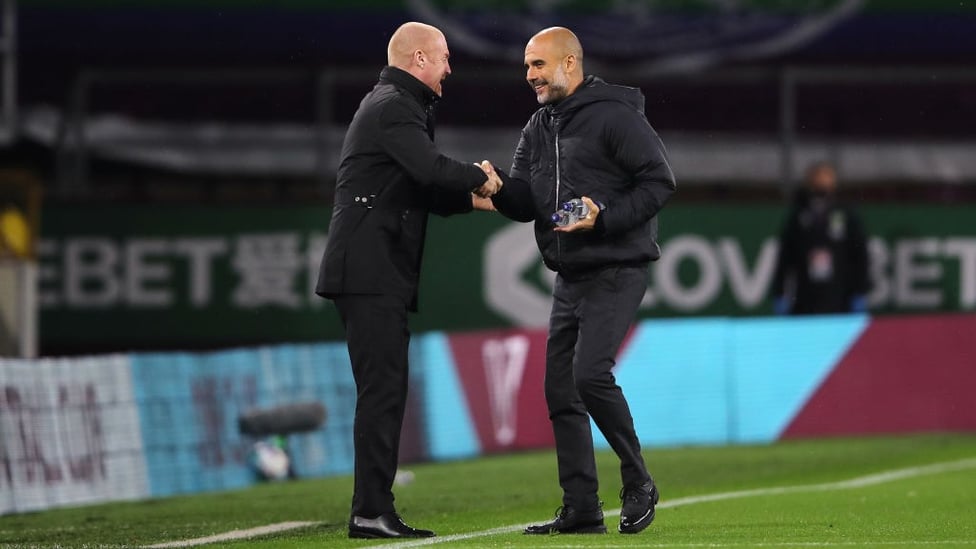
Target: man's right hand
{"x": 492, "y": 185}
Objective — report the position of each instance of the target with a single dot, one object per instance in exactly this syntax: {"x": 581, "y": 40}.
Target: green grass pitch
{"x": 918, "y": 506}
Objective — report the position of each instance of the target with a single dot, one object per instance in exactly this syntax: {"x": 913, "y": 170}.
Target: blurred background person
{"x": 822, "y": 265}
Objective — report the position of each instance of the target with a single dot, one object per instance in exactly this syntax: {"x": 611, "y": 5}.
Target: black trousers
{"x": 590, "y": 318}
{"x": 378, "y": 341}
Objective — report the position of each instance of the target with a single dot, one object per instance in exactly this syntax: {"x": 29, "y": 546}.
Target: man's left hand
{"x": 584, "y": 224}
{"x": 482, "y": 204}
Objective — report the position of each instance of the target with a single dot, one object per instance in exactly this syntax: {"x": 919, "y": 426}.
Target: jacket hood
{"x": 594, "y": 89}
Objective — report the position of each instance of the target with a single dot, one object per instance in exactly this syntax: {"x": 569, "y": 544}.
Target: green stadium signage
{"x": 141, "y": 277}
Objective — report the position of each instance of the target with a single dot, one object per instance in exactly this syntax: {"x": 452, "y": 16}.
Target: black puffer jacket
{"x": 595, "y": 143}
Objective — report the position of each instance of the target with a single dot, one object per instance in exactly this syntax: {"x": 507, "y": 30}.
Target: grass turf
{"x": 469, "y": 496}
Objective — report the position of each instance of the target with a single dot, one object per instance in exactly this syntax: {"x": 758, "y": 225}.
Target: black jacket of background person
{"x": 596, "y": 143}
{"x": 390, "y": 176}
{"x": 817, "y": 225}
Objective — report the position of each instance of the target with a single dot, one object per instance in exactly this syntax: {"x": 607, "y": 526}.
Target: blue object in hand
{"x": 859, "y": 303}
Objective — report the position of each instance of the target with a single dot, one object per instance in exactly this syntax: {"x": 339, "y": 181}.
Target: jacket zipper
{"x": 559, "y": 248}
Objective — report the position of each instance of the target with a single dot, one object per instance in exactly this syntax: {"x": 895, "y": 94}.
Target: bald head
{"x": 422, "y": 51}
{"x": 407, "y": 39}
{"x": 560, "y": 40}
{"x": 554, "y": 64}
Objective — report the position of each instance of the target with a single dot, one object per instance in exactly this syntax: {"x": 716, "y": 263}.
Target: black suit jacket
{"x": 390, "y": 176}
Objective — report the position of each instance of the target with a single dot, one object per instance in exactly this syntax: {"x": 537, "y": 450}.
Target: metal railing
{"x": 791, "y": 79}
{"x": 73, "y": 150}
{"x": 8, "y": 71}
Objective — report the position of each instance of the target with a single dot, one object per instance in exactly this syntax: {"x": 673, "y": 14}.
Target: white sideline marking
{"x": 857, "y": 482}
{"x": 873, "y": 543}
{"x": 234, "y": 535}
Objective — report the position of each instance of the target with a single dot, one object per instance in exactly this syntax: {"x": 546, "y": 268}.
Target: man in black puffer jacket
{"x": 590, "y": 140}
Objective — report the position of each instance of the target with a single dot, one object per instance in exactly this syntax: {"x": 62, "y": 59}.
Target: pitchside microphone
{"x": 282, "y": 420}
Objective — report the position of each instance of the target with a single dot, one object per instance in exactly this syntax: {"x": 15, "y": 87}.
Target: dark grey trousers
{"x": 589, "y": 320}
{"x": 378, "y": 341}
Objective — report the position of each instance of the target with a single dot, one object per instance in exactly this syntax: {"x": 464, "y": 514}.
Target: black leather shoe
{"x": 571, "y": 521}
{"x": 389, "y": 525}
{"x": 637, "y": 512}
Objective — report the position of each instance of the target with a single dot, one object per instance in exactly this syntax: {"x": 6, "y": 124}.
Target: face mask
{"x": 819, "y": 202}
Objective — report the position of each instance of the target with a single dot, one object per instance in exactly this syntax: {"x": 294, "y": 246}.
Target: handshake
{"x": 492, "y": 185}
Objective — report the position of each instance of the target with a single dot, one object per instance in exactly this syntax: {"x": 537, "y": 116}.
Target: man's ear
{"x": 419, "y": 58}
{"x": 569, "y": 64}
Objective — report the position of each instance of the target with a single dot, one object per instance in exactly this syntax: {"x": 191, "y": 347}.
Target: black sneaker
{"x": 637, "y": 512}
{"x": 571, "y": 521}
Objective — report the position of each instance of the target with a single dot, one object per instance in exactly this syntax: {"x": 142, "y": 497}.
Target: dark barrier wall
{"x": 313, "y": 30}
{"x": 58, "y": 37}
{"x": 157, "y": 277}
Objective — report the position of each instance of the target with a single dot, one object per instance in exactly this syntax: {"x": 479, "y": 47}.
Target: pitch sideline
{"x": 234, "y": 535}
{"x": 711, "y": 545}
{"x": 856, "y": 482}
